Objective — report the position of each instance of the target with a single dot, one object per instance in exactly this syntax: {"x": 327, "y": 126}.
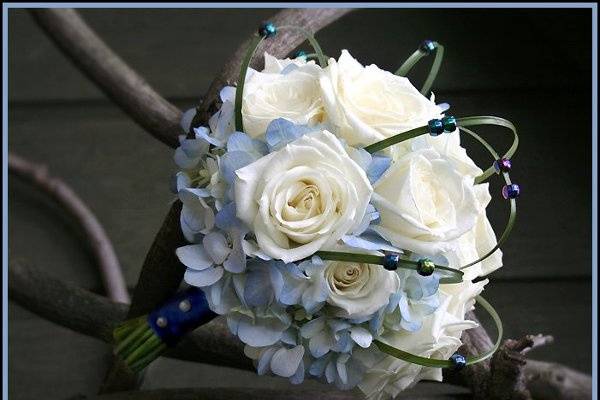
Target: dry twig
{"x": 95, "y": 236}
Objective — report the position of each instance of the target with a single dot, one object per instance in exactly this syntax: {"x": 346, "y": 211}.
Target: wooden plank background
{"x": 531, "y": 66}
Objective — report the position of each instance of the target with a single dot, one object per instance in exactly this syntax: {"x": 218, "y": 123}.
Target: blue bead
{"x": 390, "y": 261}
{"x": 458, "y": 361}
{"x": 427, "y": 46}
{"x": 449, "y": 123}
{"x": 502, "y": 165}
{"x": 511, "y": 191}
{"x": 300, "y": 54}
{"x": 436, "y": 127}
{"x": 267, "y": 30}
{"x": 425, "y": 267}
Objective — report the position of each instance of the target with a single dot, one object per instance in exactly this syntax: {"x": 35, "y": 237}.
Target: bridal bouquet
{"x": 336, "y": 222}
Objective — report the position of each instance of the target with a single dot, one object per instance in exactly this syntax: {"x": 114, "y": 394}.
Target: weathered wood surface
{"x": 121, "y": 172}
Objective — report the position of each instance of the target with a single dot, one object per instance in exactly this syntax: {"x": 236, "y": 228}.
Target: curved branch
{"x": 110, "y": 73}
{"x": 96, "y": 316}
{"x": 85, "y": 312}
{"x": 59, "y": 191}
{"x": 226, "y": 394}
{"x": 279, "y": 46}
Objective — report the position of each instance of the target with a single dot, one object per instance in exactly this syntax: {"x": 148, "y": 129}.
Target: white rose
{"x": 359, "y": 289}
{"x": 302, "y": 198}
{"x": 367, "y": 104}
{"x": 427, "y": 199}
{"x": 429, "y": 204}
{"x": 285, "y": 89}
{"x": 438, "y": 338}
{"x": 476, "y": 243}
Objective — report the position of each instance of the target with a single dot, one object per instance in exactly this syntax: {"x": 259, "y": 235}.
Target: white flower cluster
{"x": 258, "y": 205}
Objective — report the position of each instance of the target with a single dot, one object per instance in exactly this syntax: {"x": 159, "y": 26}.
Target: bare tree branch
{"x": 225, "y": 394}
{"x": 96, "y": 237}
{"x": 110, "y": 73}
{"x": 96, "y": 316}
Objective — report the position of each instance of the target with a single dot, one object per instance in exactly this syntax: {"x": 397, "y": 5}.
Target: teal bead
{"x": 267, "y": 30}
{"x": 300, "y": 54}
{"x": 449, "y": 124}
{"x": 425, "y": 267}
{"x": 436, "y": 127}
{"x": 427, "y": 46}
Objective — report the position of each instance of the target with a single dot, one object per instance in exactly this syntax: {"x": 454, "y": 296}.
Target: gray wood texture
{"x": 530, "y": 66}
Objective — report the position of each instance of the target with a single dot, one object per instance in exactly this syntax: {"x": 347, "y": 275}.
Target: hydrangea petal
{"x": 377, "y": 167}
{"x": 186, "y": 119}
{"x": 203, "y": 278}
{"x": 216, "y": 246}
{"x": 232, "y": 161}
{"x": 183, "y": 161}
{"x": 285, "y": 362}
{"x": 194, "y": 256}
{"x": 361, "y": 336}
{"x": 311, "y": 328}
{"x": 264, "y": 362}
{"x": 298, "y": 377}
{"x": 204, "y": 134}
{"x": 258, "y": 291}
{"x": 320, "y": 344}
{"x": 262, "y": 332}
{"x": 281, "y": 132}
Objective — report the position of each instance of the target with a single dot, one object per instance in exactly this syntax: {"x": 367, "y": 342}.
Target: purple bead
{"x": 511, "y": 191}
{"x": 502, "y": 165}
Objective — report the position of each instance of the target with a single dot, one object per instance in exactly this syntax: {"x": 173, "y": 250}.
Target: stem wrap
{"x": 181, "y": 314}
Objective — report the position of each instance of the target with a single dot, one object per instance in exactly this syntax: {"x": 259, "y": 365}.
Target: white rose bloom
{"x": 424, "y": 203}
{"x": 428, "y": 203}
{"x": 367, "y": 104}
{"x": 284, "y": 89}
{"x": 476, "y": 243}
{"x": 357, "y": 289}
{"x": 302, "y": 198}
{"x": 439, "y": 338}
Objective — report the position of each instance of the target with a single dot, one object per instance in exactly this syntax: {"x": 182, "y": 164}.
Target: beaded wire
{"x": 426, "y": 48}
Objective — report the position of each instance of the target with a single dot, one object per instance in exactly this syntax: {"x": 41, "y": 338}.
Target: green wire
{"x": 456, "y": 275}
{"x": 491, "y": 120}
{"x": 311, "y": 39}
{"x": 401, "y": 137}
{"x": 437, "y": 363}
{"x": 513, "y": 203}
{"x": 435, "y": 68}
{"x": 410, "y": 62}
{"x": 239, "y": 93}
{"x": 415, "y": 57}
{"x": 461, "y": 122}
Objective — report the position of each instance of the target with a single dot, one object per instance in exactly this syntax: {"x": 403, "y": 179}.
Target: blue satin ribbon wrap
{"x": 181, "y": 314}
